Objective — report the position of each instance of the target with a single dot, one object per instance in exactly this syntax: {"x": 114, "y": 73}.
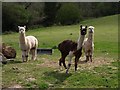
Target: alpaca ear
{"x": 80, "y": 26}
{"x": 25, "y": 27}
{"x": 18, "y": 26}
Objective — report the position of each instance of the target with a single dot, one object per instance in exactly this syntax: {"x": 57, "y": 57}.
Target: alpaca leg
{"x": 69, "y": 64}
{"x": 31, "y": 52}
{"x": 26, "y": 55}
{"x": 70, "y": 58}
{"x": 76, "y": 60}
{"x": 64, "y": 64}
{"x": 34, "y": 54}
{"x": 23, "y": 56}
{"x": 87, "y": 56}
{"x": 91, "y": 54}
{"x": 91, "y": 58}
{"x": 35, "y": 50}
{"x": 60, "y": 63}
{"x": 26, "y": 58}
{"x": 63, "y": 60}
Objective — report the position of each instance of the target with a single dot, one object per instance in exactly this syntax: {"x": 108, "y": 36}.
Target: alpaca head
{"x": 83, "y": 30}
{"x": 91, "y": 29}
{"x": 21, "y": 29}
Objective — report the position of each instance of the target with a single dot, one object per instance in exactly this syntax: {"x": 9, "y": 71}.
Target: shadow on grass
{"x": 13, "y": 62}
{"x": 59, "y": 76}
{"x": 83, "y": 62}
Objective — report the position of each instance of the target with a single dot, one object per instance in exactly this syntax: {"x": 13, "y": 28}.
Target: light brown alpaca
{"x": 88, "y": 45}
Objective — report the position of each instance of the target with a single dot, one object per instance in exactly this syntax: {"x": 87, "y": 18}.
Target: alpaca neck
{"x": 22, "y": 38}
{"x": 80, "y": 41}
{"x": 90, "y": 37}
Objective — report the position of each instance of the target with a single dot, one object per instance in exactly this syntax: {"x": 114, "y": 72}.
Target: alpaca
{"x": 88, "y": 44}
{"x": 71, "y": 48}
{"x": 28, "y": 44}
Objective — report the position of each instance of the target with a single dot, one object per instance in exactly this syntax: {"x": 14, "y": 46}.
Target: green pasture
{"x": 106, "y": 46}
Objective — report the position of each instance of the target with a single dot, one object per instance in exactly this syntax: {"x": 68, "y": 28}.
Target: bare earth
{"x": 97, "y": 61}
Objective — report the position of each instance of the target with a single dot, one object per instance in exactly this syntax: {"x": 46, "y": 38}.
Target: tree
{"x": 68, "y": 14}
{"x": 50, "y": 10}
{"x": 13, "y": 15}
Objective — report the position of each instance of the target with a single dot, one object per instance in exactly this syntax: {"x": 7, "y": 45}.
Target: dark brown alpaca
{"x": 71, "y": 48}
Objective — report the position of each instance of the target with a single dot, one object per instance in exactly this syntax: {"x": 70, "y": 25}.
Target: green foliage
{"x": 50, "y": 13}
{"x": 68, "y": 14}
{"x": 50, "y": 10}
{"x": 14, "y": 15}
{"x": 104, "y": 9}
{"x": 36, "y": 10}
{"x": 98, "y": 9}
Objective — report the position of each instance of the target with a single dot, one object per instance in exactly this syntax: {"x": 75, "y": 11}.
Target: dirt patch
{"x": 48, "y": 63}
{"x": 16, "y": 86}
{"x": 30, "y": 79}
{"x": 97, "y": 61}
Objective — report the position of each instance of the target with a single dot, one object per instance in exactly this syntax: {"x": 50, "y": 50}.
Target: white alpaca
{"x": 88, "y": 45}
{"x": 28, "y": 44}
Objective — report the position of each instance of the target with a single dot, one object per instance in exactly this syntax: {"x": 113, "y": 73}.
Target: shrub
{"x": 69, "y": 13}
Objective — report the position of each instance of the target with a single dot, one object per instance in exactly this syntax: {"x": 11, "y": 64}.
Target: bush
{"x": 69, "y": 13}
{"x": 14, "y": 15}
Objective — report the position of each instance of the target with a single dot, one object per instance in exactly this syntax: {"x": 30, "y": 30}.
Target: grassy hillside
{"x": 44, "y": 73}
{"x": 106, "y": 35}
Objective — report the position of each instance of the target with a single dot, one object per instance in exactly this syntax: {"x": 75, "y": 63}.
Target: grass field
{"x": 43, "y": 73}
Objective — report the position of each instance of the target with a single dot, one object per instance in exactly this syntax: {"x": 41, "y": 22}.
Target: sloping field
{"x": 44, "y": 73}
